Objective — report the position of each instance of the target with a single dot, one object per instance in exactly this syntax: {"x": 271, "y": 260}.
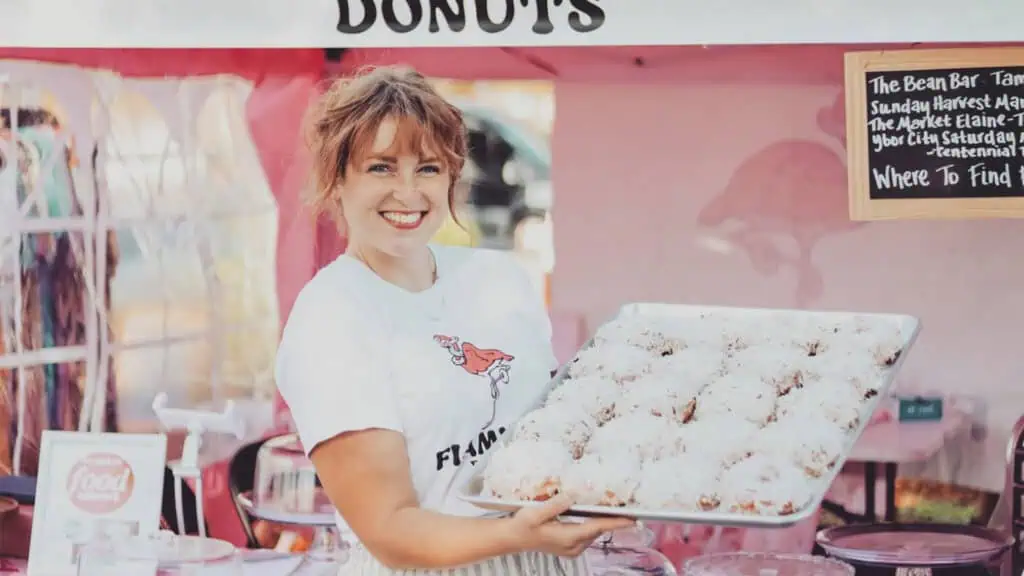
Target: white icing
{"x": 811, "y": 442}
{"x": 758, "y": 485}
{"x": 694, "y": 367}
{"x": 563, "y": 422}
{"x": 721, "y": 439}
{"x": 620, "y": 362}
{"x": 678, "y": 483}
{"x": 526, "y": 470}
{"x": 740, "y": 394}
{"x": 780, "y": 366}
{"x": 659, "y": 394}
{"x": 640, "y": 434}
{"x": 602, "y": 479}
{"x": 837, "y": 401}
{"x": 773, "y": 397}
{"x": 594, "y": 395}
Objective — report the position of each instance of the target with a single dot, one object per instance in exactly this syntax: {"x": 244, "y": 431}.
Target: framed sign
{"x": 91, "y": 485}
{"x": 935, "y": 134}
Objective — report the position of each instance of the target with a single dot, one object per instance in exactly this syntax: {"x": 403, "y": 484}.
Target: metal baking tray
{"x": 472, "y": 491}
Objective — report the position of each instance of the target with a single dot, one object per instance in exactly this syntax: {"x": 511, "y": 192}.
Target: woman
{"x": 403, "y": 362}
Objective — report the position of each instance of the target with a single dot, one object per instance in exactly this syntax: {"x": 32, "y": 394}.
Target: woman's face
{"x": 395, "y": 196}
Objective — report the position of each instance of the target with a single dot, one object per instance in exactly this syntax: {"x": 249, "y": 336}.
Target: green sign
{"x": 918, "y": 409}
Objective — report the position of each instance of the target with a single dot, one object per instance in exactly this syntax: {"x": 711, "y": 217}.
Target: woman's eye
{"x": 430, "y": 169}
{"x": 379, "y": 168}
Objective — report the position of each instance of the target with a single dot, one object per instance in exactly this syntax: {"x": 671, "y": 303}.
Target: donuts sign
{"x": 100, "y": 483}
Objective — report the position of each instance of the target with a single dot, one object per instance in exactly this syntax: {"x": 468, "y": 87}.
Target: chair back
{"x": 241, "y": 472}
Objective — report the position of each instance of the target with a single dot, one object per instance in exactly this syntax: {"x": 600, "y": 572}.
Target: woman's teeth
{"x": 403, "y": 218}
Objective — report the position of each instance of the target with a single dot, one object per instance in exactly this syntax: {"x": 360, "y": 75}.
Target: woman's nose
{"x": 406, "y": 186}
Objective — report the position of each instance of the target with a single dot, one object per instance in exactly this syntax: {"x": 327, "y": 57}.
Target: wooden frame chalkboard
{"x": 935, "y": 134}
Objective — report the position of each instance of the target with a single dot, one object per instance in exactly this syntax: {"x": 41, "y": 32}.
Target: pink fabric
{"x": 275, "y": 112}
{"x": 285, "y": 80}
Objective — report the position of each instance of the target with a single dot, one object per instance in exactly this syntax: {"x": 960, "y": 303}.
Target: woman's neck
{"x": 415, "y": 272}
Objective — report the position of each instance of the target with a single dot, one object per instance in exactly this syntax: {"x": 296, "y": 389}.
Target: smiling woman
{"x": 400, "y": 350}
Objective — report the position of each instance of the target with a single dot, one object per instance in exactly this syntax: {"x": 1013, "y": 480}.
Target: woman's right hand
{"x": 537, "y": 528}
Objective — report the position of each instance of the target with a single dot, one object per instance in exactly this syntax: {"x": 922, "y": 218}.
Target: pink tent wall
{"x": 284, "y": 82}
{"x": 729, "y": 163}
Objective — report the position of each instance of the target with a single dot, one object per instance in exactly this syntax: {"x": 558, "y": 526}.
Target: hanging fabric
{"x": 53, "y": 292}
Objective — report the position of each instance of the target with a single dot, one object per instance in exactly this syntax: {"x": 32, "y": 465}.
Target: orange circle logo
{"x": 100, "y": 483}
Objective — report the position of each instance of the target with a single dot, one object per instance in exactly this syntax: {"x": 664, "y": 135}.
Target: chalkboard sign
{"x": 936, "y": 133}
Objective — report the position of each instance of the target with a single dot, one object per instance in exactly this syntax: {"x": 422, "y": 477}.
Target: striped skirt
{"x": 362, "y": 563}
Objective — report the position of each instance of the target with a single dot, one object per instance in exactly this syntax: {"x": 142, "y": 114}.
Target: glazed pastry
{"x": 742, "y": 413}
{"x": 596, "y": 395}
{"x": 603, "y": 479}
{"x": 663, "y": 487}
{"x": 527, "y": 471}
{"x": 565, "y": 423}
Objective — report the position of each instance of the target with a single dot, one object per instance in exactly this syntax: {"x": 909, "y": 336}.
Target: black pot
{"x": 866, "y": 570}
{"x": 917, "y": 549}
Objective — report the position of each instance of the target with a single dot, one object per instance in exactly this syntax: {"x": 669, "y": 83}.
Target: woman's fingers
{"x": 550, "y": 510}
{"x": 594, "y": 527}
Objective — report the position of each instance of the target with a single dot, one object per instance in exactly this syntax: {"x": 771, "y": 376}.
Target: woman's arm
{"x": 366, "y": 475}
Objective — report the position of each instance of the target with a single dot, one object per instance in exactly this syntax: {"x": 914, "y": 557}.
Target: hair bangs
{"x": 413, "y": 137}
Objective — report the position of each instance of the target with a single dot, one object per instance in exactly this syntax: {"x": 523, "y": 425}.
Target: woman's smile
{"x": 403, "y": 220}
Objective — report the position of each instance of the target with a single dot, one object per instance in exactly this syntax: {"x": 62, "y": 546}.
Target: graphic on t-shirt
{"x": 492, "y": 364}
{"x": 470, "y": 450}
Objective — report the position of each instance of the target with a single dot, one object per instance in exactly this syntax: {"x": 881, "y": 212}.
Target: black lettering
{"x": 483, "y": 17}
{"x": 391, "y": 19}
{"x": 442, "y": 457}
{"x": 590, "y": 9}
{"x": 501, "y": 429}
{"x": 456, "y": 455}
{"x": 543, "y": 24}
{"x": 345, "y": 25}
{"x": 455, "y": 16}
{"x": 471, "y": 450}
{"x": 487, "y": 439}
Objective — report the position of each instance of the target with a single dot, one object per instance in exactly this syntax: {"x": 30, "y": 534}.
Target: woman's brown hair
{"x": 342, "y": 123}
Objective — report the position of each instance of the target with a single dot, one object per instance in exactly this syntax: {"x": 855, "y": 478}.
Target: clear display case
{"x": 163, "y": 554}
{"x": 286, "y": 491}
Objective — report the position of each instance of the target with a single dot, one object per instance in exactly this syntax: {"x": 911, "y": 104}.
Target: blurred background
{"x": 191, "y": 301}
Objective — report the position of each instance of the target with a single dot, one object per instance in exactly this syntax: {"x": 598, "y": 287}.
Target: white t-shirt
{"x": 451, "y": 368}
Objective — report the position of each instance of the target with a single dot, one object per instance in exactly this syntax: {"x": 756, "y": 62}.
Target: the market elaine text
{"x": 960, "y": 128}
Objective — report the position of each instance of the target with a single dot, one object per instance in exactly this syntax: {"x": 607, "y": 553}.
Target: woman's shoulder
{"x": 459, "y": 259}
{"x": 333, "y": 292}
